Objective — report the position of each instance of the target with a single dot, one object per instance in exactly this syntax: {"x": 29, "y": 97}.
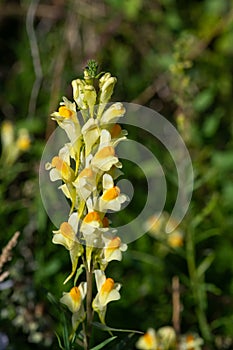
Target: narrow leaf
{"x": 206, "y": 234}
{"x": 101, "y": 345}
{"x": 78, "y": 273}
{"x": 106, "y": 328}
{"x": 59, "y": 341}
{"x": 205, "y": 264}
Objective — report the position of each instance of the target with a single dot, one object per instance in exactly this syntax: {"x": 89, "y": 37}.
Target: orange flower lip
{"x": 63, "y": 167}
{"x": 65, "y": 112}
{"x": 148, "y": 339}
{"x": 105, "y": 222}
{"x": 67, "y": 230}
{"x": 111, "y": 194}
{"x": 75, "y": 294}
{"x": 57, "y": 162}
{"x": 107, "y": 286}
{"x": 189, "y": 338}
{"x": 92, "y": 216}
{"x": 112, "y": 246}
{"x": 86, "y": 172}
{"x": 114, "y": 243}
{"x": 115, "y": 131}
{"x": 105, "y": 152}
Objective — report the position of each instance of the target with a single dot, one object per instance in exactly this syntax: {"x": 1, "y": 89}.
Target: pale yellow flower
{"x": 175, "y": 239}
{"x": 113, "y": 249}
{"x": 111, "y": 198}
{"x": 60, "y": 167}
{"x": 11, "y": 147}
{"x": 167, "y": 337}
{"x": 113, "y": 113}
{"x": 74, "y": 298}
{"x": 91, "y": 132}
{"x": 191, "y": 342}
{"x": 74, "y": 301}
{"x": 66, "y": 236}
{"x": 85, "y": 183}
{"x": 148, "y": 341}
{"x": 67, "y": 119}
{"x": 108, "y": 291}
{"x": 105, "y": 157}
{"x": 7, "y": 134}
{"x": 23, "y": 141}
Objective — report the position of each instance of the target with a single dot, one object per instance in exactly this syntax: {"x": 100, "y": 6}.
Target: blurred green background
{"x": 175, "y": 57}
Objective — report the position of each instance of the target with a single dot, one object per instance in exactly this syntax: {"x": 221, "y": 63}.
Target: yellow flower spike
{"x": 66, "y": 172}
{"x": 111, "y": 194}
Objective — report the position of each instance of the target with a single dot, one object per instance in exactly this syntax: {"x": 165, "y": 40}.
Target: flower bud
{"x": 106, "y": 89}
{"x": 78, "y": 93}
{"x": 103, "y": 79}
{"x": 90, "y": 97}
{"x": 167, "y": 336}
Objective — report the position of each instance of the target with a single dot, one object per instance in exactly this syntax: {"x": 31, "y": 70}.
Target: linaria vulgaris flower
{"x": 108, "y": 291}
{"x": 148, "y": 341}
{"x": 74, "y": 301}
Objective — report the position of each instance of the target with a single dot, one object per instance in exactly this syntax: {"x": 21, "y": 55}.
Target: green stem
{"x": 197, "y": 287}
{"x": 89, "y": 310}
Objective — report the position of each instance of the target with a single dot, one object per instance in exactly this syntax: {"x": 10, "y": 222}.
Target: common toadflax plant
{"x": 88, "y": 167}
